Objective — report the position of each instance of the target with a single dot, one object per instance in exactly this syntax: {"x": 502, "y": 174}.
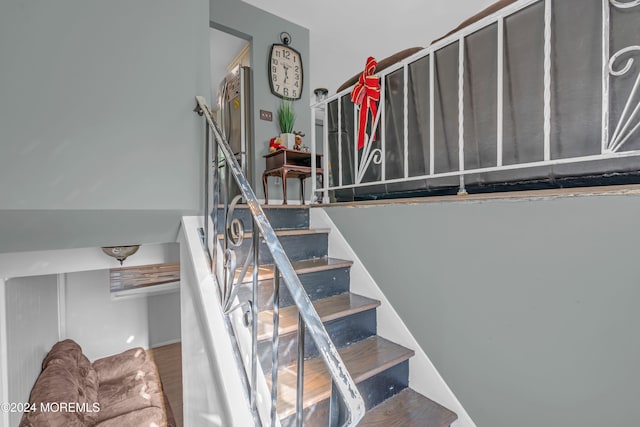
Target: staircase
{"x": 378, "y": 366}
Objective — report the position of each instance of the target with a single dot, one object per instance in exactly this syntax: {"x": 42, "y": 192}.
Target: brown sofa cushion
{"x": 131, "y": 393}
{"x": 478, "y": 16}
{"x": 382, "y": 64}
{"x": 120, "y": 365}
{"x": 146, "y": 417}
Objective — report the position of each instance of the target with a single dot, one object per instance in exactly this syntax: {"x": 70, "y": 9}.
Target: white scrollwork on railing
{"x": 369, "y": 155}
{"x": 629, "y": 122}
{"x": 234, "y": 231}
{"x": 627, "y": 66}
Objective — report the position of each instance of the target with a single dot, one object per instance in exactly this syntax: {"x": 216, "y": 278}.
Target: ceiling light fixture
{"x": 120, "y": 252}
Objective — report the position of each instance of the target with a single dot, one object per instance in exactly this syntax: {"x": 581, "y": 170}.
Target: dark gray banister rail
{"x": 341, "y": 378}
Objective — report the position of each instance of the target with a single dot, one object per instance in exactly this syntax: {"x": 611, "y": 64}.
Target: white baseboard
{"x": 423, "y": 375}
{"x": 163, "y": 343}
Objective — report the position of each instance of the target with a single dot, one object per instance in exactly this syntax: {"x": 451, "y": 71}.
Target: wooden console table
{"x": 289, "y": 164}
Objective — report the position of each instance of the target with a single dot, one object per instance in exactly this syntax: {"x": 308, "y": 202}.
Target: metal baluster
{"x": 339, "y": 102}
{"x": 355, "y": 144}
{"x": 500, "y": 95}
{"x": 405, "y": 122}
{"x": 216, "y": 198}
{"x": 334, "y": 408}
{"x": 383, "y": 128}
{"x": 325, "y": 158}
{"x": 275, "y": 344}
{"x": 547, "y": 79}
{"x": 300, "y": 384}
{"x": 207, "y": 169}
{"x": 314, "y": 150}
{"x": 254, "y": 317}
{"x": 432, "y": 126}
{"x": 224, "y": 177}
{"x": 461, "y": 65}
{"x": 606, "y": 49}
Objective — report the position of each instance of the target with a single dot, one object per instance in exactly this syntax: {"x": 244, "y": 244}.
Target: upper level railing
{"x": 530, "y": 89}
{"x": 230, "y": 277}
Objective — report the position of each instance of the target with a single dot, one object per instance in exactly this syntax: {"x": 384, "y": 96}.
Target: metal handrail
{"x": 341, "y": 378}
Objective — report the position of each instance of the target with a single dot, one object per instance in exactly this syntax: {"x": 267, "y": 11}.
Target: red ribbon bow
{"x": 366, "y": 93}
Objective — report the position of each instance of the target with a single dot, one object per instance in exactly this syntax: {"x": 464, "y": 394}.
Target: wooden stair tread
{"x": 408, "y": 409}
{"x": 265, "y": 272}
{"x": 328, "y": 309}
{"x": 363, "y": 360}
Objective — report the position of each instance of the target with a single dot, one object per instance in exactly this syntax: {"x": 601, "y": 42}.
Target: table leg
{"x": 302, "y": 189}
{"x": 265, "y": 187}
{"x": 284, "y": 187}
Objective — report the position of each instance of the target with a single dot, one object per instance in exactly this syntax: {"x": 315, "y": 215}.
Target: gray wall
{"x": 164, "y": 318}
{"x": 32, "y": 328}
{"x": 96, "y": 104}
{"x": 100, "y": 325}
{"x": 529, "y": 309}
{"x": 263, "y": 29}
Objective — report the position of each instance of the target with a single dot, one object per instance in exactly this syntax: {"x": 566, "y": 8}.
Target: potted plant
{"x": 286, "y": 119}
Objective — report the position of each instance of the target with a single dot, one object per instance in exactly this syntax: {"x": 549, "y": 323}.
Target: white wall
{"x": 164, "y": 319}
{"x": 344, "y": 33}
{"x": 32, "y": 328}
{"x": 101, "y": 326}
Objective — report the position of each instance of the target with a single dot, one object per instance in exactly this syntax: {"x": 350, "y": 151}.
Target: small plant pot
{"x": 288, "y": 140}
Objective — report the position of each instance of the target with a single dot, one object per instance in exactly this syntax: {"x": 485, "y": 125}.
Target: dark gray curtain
{"x": 576, "y": 107}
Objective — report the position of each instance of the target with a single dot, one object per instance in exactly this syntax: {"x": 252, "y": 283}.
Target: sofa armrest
{"x": 55, "y": 385}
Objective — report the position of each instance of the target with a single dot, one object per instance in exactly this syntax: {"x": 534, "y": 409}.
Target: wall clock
{"x": 285, "y": 71}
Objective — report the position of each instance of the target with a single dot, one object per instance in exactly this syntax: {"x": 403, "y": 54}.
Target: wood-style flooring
{"x": 168, "y": 359}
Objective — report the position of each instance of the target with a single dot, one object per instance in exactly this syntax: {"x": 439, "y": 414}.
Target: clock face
{"x": 285, "y": 72}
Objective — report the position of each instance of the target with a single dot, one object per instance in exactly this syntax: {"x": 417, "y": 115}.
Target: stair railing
{"x": 360, "y": 164}
{"x": 221, "y": 166}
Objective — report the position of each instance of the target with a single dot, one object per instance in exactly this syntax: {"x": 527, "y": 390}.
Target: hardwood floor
{"x": 168, "y": 358}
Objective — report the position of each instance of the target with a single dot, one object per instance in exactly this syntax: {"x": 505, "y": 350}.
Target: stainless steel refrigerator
{"x": 235, "y": 118}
